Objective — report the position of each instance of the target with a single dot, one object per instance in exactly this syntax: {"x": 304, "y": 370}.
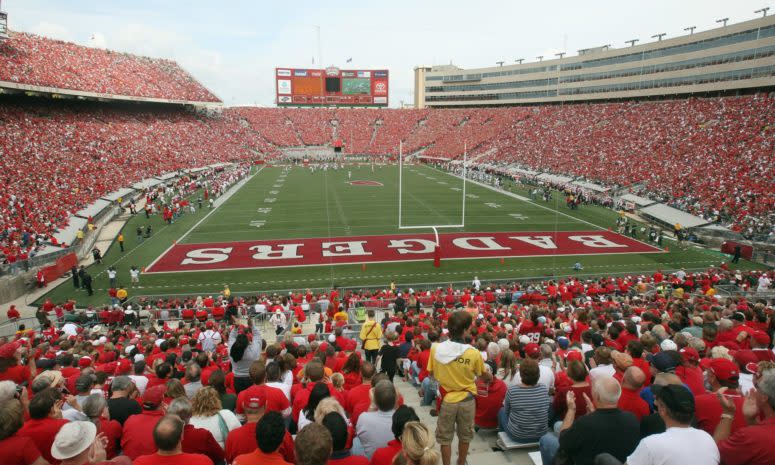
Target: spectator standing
{"x": 242, "y": 353}
{"x": 121, "y": 241}
{"x": 371, "y": 334}
{"x": 455, "y": 364}
{"x": 209, "y": 338}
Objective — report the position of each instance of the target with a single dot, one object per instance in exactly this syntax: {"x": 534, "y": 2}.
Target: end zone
{"x": 390, "y": 248}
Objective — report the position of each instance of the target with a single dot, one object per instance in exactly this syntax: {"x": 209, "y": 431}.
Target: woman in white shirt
{"x": 207, "y": 413}
{"x": 274, "y": 379}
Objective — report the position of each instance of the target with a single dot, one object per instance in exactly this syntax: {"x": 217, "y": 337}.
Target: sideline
{"x": 218, "y": 202}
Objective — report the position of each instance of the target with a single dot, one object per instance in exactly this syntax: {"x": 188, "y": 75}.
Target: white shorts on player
{"x": 349, "y": 175}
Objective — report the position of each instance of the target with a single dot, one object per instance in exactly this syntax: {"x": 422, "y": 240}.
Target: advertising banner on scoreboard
{"x": 331, "y": 87}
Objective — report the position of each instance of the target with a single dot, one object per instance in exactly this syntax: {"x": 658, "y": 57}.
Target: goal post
{"x": 434, "y": 227}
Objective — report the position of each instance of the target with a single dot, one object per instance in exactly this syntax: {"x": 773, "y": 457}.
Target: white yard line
{"x": 216, "y": 204}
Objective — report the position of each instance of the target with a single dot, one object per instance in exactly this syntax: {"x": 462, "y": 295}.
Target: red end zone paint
{"x": 391, "y": 248}
{"x": 365, "y": 183}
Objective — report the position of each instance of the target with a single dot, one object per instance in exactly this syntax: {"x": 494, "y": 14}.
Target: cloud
{"x": 52, "y": 30}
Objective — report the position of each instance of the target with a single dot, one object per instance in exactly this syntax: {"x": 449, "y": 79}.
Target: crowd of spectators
{"x": 40, "y": 61}
{"x": 646, "y": 369}
{"x": 81, "y": 152}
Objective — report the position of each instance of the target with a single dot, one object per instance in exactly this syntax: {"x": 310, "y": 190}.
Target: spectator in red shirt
{"x": 195, "y": 440}
{"x": 276, "y": 401}
{"x": 385, "y": 455}
{"x": 13, "y": 313}
{"x": 77, "y": 443}
{"x": 341, "y": 454}
{"x": 243, "y": 439}
{"x": 16, "y": 449}
{"x": 360, "y": 393}
{"x": 753, "y": 444}
{"x": 630, "y": 400}
{"x": 45, "y": 421}
{"x": 690, "y": 372}
{"x": 270, "y": 434}
{"x": 137, "y": 438}
{"x": 11, "y": 368}
{"x": 721, "y": 373}
{"x": 95, "y": 407}
{"x": 488, "y": 403}
{"x": 167, "y": 439}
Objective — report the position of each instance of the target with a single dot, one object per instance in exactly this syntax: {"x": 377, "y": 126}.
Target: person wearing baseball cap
{"x": 680, "y": 443}
{"x": 690, "y": 372}
{"x": 719, "y": 373}
{"x": 137, "y": 438}
{"x": 11, "y": 368}
{"x": 760, "y": 345}
{"x": 243, "y": 439}
{"x": 753, "y": 444}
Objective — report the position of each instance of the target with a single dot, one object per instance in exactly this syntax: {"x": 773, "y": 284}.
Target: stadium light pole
{"x": 500, "y": 63}
{"x": 540, "y": 58}
{"x": 723, "y": 20}
{"x": 763, "y": 11}
{"x": 659, "y": 36}
{"x": 690, "y": 29}
{"x": 632, "y": 42}
{"x": 561, "y": 54}
{"x": 519, "y": 60}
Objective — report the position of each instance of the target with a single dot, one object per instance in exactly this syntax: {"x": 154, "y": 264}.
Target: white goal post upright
{"x": 434, "y": 227}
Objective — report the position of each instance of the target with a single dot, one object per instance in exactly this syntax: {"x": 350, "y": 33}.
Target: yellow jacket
{"x": 371, "y": 334}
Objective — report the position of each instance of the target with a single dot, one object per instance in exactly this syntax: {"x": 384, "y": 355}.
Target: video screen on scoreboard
{"x": 331, "y": 87}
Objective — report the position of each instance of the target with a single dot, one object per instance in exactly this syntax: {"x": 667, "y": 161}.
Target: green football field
{"x": 280, "y": 204}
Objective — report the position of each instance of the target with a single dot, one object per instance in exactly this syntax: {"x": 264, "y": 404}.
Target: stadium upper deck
{"x": 722, "y": 60}
{"x": 33, "y": 63}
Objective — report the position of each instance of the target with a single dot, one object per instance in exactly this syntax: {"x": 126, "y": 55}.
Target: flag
{"x": 349, "y": 60}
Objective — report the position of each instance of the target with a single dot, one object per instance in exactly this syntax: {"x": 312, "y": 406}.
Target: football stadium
{"x": 566, "y": 259}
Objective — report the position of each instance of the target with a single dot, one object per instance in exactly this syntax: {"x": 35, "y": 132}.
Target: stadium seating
{"x": 81, "y": 152}
{"x": 34, "y": 60}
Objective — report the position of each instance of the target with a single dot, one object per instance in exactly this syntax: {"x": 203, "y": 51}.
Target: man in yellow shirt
{"x": 455, "y": 365}
{"x": 371, "y": 334}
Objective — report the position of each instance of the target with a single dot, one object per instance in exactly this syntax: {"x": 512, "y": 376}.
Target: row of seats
{"x": 35, "y": 60}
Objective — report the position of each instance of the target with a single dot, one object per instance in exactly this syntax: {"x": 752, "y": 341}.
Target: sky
{"x": 233, "y": 46}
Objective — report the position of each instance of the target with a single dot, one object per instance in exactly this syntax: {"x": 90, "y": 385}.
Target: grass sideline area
{"x": 325, "y": 204}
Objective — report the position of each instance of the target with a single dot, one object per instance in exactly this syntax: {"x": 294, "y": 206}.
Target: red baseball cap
{"x": 209, "y": 324}
{"x": 254, "y": 402}
{"x": 532, "y": 349}
{"x": 9, "y": 349}
{"x": 690, "y": 353}
{"x": 154, "y": 396}
{"x": 761, "y": 337}
{"x": 722, "y": 368}
{"x": 574, "y": 355}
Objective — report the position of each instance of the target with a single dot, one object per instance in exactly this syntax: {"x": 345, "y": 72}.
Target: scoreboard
{"x": 331, "y": 87}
